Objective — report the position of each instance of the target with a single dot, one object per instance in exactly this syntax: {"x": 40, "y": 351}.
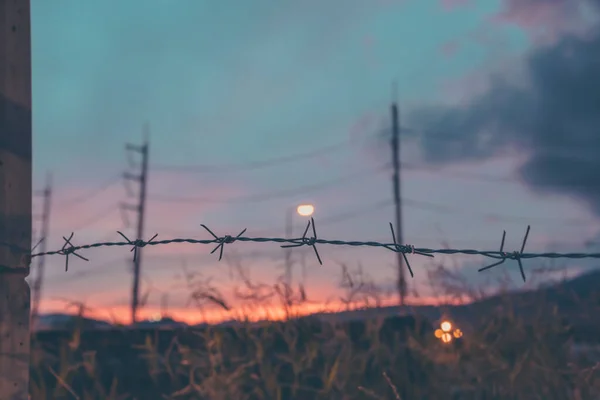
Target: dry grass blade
{"x": 63, "y": 383}
{"x": 392, "y": 386}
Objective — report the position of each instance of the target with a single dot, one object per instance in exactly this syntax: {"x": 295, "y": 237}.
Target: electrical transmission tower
{"x": 395, "y": 142}
{"x": 39, "y": 278}
{"x": 140, "y": 209}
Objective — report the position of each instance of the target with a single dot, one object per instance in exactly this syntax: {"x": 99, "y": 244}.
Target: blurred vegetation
{"x": 502, "y": 355}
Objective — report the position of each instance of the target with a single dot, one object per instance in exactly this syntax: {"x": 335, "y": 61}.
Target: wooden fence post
{"x": 15, "y": 197}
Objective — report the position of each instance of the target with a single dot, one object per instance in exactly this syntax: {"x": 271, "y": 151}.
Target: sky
{"x": 255, "y": 107}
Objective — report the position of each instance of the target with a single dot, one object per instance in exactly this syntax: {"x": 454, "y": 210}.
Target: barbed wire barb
{"x": 27, "y": 256}
{"x": 137, "y": 244}
{"x": 515, "y": 255}
{"x": 37, "y": 244}
{"x": 501, "y": 252}
{"x": 227, "y": 239}
{"x": 66, "y": 251}
{"x": 403, "y": 249}
{"x": 304, "y": 241}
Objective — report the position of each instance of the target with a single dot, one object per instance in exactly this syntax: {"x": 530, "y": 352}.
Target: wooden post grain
{"x": 15, "y": 197}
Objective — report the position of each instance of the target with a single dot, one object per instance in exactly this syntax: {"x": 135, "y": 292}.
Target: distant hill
{"x": 67, "y": 321}
{"x": 577, "y": 300}
{"x": 162, "y": 323}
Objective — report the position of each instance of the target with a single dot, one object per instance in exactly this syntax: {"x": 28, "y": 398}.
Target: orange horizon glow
{"x": 192, "y": 316}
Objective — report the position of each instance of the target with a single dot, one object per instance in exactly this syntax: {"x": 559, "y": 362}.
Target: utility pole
{"x": 395, "y": 142}
{"x": 140, "y": 209}
{"x": 15, "y": 197}
{"x": 289, "y": 220}
{"x": 164, "y": 306}
{"x": 39, "y": 279}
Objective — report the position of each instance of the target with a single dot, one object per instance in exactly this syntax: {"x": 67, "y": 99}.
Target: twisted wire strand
{"x": 500, "y": 256}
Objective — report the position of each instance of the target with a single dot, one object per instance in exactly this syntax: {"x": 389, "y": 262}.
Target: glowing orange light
{"x": 155, "y": 318}
{"x": 446, "y": 338}
{"x": 458, "y": 333}
{"x": 438, "y": 333}
{"x": 446, "y": 326}
{"x": 305, "y": 210}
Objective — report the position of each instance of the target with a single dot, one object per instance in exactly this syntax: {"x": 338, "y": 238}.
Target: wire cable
{"x": 460, "y": 174}
{"x": 440, "y": 208}
{"x": 77, "y": 200}
{"x": 566, "y": 150}
{"x": 95, "y": 218}
{"x": 262, "y": 197}
{"x": 252, "y": 165}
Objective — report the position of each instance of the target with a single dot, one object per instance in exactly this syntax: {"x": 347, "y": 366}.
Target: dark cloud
{"x": 554, "y": 120}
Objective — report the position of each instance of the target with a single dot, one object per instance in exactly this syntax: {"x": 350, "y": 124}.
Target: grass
{"x": 502, "y": 356}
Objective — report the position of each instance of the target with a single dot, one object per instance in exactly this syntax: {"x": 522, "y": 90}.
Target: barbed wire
{"x": 500, "y": 255}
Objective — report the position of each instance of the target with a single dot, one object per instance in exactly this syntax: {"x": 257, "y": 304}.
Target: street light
{"x": 446, "y": 326}
{"x": 305, "y": 210}
{"x": 445, "y": 333}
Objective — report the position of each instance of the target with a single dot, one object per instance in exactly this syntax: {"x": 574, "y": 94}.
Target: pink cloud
{"x": 544, "y": 20}
{"x": 450, "y": 5}
{"x": 531, "y": 13}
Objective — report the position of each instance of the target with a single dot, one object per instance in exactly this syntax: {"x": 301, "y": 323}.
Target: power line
{"x": 74, "y": 201}
{"x": 460, "y": 174}
{"x": 97, "y": 270}
{"x": 99, "y": 216}
{"x": 355, "y": 213}
{"x": 428, "y": 206}
{"x": 565, "y": 150}
{"x": 425, "y": 205}
{"x": 261, "y": 197}
{"x": 364, "y": 210}
{"x": 116, "y": 265}
{"x": 253, "y": 165}
{"x": 478, "y": 176}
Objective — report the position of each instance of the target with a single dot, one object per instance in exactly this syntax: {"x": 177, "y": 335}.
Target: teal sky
{"x": 233, "y": 82}
{"x": 229, "y": 78}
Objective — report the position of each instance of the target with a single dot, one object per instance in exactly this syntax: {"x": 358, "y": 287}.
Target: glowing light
{"x": 155, "y": 318}
{"x": 458, "y": 333}
{"x": 438, "y": 333}
{"x": 305, "y": 210}
{"x": 446, "y": 338}
{"x": 446, "y": 326}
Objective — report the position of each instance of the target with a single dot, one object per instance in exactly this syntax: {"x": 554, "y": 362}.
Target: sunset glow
{"x": 191, "y": 315}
